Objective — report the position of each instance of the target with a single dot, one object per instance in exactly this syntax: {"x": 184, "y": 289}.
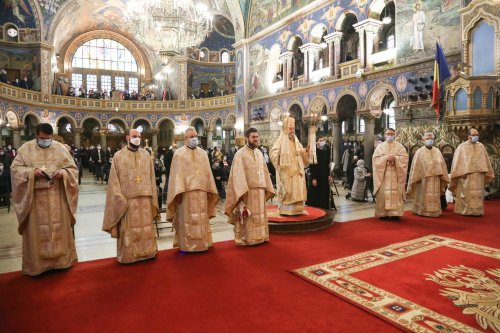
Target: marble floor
{"x": 92, "y": 243}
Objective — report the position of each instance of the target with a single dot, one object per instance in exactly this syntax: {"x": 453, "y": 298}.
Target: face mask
{"x": 44, "y": 143}
{"x": 135, "y": 141}
{"x": 429, "y": 142}
{"x": 1, "y": 153}
{"x": 216, "y": 165}
{"x": 474, "y": 138}
{"x": 193, "y": 142}
{"x": 389, "y": 138}
{"x": 264, "y": 150}
{"x": 321, "y": 144}
{"x": 98, "y": 147}
{"x": 1, "y": 167}
{"x": 9, "y": 147}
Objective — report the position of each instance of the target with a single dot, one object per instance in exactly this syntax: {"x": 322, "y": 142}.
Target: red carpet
{"x": 228, "y": 289}
{"x": 312, "y": 214}
{"x": 406, "y": 283}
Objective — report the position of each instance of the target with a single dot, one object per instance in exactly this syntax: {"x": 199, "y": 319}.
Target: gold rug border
{"x": 385, "y": 255}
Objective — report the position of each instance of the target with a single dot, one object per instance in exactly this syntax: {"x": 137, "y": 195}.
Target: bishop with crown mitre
{"x": 290, "y": 158}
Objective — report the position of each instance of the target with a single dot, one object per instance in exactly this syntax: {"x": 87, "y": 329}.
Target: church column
{"x": 103, "y": 134}
{"x": 367, "y": 28}
{"x": 210, "y": 136}
{"x": 334, "y": 39}
{"x": 368, "y": 143}
{"x": 331, "y": 53}
{"x": 337, "y": 141}
{"x": 45, "y": 71}
{"x": 182, "y": 81}
{"x": 78, "y": 137}
{"x": 16, "y": 138}
{"x": 154, "y": 139}
{"x": 286, "y": 58}
{"x": 227, "y": 140}
{"x": 304, "y": 49}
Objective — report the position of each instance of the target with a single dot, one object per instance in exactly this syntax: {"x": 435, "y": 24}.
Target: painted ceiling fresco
{"x": 263, "y": 13}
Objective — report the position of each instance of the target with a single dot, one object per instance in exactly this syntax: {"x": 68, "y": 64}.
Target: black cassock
{"x": 320, "y": 195}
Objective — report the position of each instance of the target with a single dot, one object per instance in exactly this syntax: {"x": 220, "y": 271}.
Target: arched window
{"x": 477, "y": 99}
{"x": 391, "y": 41}
{"x": 461, "y": 100}
{"x": 101, "y": 64}
{"x": 344, "y": 127}
{"x": 225, "y": 57}
{"x": 483, "y": 49}
{"x": 104, "y": 54}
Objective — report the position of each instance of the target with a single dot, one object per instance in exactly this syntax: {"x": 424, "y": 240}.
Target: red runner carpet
{"x": 227, "y": 289}
{"x": 313, "y": 213}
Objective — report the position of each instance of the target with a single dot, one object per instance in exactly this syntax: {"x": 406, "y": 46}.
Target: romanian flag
{"x": 441, "y": 73}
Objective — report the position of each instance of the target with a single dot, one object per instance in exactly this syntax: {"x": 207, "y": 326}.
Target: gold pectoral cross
{"x": 43, "y": 168}
{"x": 138, "y": 179}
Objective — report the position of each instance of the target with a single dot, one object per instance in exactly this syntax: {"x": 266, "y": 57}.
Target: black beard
{"x": 132, "y": 146}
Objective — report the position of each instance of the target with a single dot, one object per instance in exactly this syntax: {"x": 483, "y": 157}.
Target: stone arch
{"x": 30, "y": 113}
{"x": 333, "y": 110}
{"x": 68, "y": 118}
{"x": 229, "y": 122}
{"x": 316, "y": 32}
{"x": 317, "y": 104}
{"x": 144, "y": 67}
{"x": 301, "y": 106}
{"x": 341, "y": 19}
{"x": 142, "y": 118}
{"x": 163, "y": 119}
{"x": 292, "y": 41}
{"x": 120, "y": 119}
{"x": 213, "y": 120}
{"x": 101, "y": 125}
{"x": 376, "y": 90}
{"x": 10, "y": 110}
{"x": 191, "y": 122}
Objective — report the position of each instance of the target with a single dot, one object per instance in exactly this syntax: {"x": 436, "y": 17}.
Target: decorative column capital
{"x": 368, "y": 25}
{"x": 103, "y": 132}
{"x": 78, "y": 130}
{"x": 334, "y": 37}
{"x": 285, "y": 56}
{"x": 309, "y": 46}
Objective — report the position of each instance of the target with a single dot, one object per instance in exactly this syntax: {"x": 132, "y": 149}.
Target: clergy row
{"x": 45, "y": 198}
{"x": 471, "y": 171}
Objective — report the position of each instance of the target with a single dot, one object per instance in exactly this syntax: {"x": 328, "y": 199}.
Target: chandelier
{"x": 169, "y": 26}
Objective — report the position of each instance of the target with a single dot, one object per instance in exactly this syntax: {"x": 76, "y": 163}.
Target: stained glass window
{"x": 104, "y": 54}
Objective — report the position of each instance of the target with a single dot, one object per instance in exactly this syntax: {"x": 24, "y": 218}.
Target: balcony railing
{"x": 34, "y": 97}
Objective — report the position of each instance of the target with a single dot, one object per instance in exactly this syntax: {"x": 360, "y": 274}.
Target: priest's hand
{"x": 178, "y": 199}
{"x": 244, "y": 214}
{"x": 58, "y": 174}
{"x": 391, "y": 158}
{"x": 314, "y": 182}
{"x": 308, "y": 149}
{"x": 39, "y": 173}
{"x": 330, "y": 180}
{"x": 114, "y": 232}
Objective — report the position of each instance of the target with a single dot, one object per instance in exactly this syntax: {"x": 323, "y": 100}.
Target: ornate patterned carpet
{"x": 428, "y": 284}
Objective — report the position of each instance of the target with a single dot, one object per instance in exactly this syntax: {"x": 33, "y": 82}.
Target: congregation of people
{"x": 45, "y": 175}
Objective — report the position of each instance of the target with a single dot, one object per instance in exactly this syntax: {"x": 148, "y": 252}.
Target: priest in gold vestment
{"x": 290, "y": 158}
{"x": 390, "y": 164}
{"x": 249, "y": 187}
{"x": 428, "y": 179}
{"x": 45, "y": 197}
{"x": 192, "y": 196}
{"x": 471, "y": 171}
{"x": 132, "y": 202}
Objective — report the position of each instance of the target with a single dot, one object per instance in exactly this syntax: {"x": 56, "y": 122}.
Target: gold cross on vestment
{"x": 43, "y": 168}
{"x": 138, "y": 179}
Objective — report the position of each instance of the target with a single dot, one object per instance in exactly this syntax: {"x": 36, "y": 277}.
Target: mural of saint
{"x": 418, "y": 21}
{"x": 18, "y": 12}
